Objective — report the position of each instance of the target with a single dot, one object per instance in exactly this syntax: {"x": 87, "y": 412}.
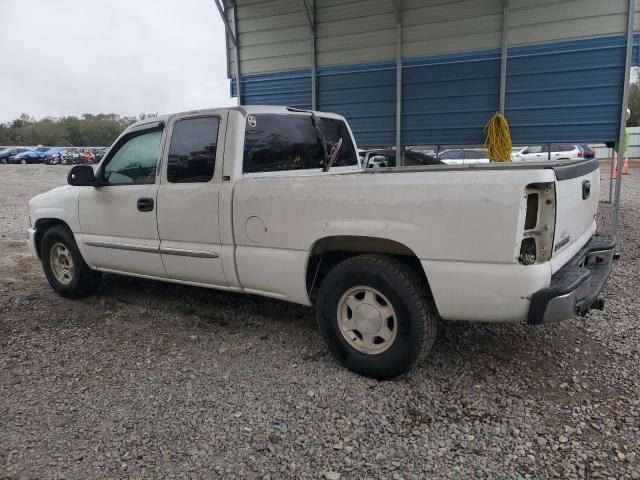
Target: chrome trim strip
{"x": 188, "y": 253}
{"x": 123, "y": 246}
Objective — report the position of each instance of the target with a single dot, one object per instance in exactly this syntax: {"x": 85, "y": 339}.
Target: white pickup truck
{"x": 272, "y": 201}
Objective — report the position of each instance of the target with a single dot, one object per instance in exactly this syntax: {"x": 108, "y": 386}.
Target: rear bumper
{"x": 576, "y": 287}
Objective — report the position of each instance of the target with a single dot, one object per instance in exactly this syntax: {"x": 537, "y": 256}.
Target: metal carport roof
{"x": 409, "y": 72}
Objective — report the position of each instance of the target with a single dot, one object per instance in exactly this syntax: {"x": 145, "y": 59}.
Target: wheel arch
{"x": 327, "y": 252}
{"x": 42, "y": 225}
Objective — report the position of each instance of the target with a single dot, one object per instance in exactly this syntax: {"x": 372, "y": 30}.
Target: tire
{"x": 23, "y": 161}
{"x": 390, "y": 281}
{"x": 80, "y": 281}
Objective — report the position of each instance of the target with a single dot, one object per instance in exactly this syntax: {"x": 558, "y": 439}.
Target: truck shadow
{"x": 465, "y": 353}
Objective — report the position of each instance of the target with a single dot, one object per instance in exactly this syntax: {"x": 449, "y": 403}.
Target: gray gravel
{"x": 151, "y": 380}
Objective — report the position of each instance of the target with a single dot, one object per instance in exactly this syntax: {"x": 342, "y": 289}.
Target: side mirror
{"x": 81, "y": 176}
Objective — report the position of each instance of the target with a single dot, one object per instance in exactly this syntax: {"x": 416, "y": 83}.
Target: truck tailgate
{"x": 577, "y": 195}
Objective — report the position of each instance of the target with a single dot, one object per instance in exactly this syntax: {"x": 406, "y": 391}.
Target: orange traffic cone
{"x": 625, "y": 166}
{"x": 615, "y": 167}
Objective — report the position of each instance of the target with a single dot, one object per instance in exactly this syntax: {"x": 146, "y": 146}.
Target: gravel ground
{"x": 152, "y": 380}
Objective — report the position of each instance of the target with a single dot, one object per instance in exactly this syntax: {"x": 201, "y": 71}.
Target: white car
{"x": 271, "y": 201}
{"x": 463, "y": 156}
{"x": 538, "y": 153}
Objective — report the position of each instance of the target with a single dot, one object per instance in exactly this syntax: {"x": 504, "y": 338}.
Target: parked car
{"x": 387, "y": 158}
{"x": 7, "y": 153}
{"x": 98, "y": 153}
{"x": 53, "y": 156}
{"x": 463, "y": 156}
{"x": 87, "y": 157}
{"x": 71, "y": 156}
{"x": 36, "y": 155}
{"x": 559, "y": 151}
{"x": 289, "y": 213}
{"x": 587, "y": 151}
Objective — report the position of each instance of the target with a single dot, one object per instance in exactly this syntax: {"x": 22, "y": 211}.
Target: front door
{"x": 118, "y": 218}
{"x": 188, "y": 200}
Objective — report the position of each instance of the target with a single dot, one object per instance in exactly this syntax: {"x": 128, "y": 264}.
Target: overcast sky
{"x": 68, "y": 57}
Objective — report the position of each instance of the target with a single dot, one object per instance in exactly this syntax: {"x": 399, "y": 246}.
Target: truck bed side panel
{"x": 448, "y": 216}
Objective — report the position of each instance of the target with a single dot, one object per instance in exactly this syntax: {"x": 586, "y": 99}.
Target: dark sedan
{"x": 10, "y": 152}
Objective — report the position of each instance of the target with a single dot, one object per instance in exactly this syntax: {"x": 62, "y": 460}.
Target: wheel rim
{"x": 367, "y": 320}
{"x": 61, "y": 263}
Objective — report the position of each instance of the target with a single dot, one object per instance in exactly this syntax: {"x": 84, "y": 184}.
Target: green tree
{"x": 87, "y": 131}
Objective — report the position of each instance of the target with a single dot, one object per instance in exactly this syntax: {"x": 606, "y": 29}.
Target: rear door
{"x": 535, "y": 153}
{"x": 563, "y": 151}
{"x": 188, "y": 203}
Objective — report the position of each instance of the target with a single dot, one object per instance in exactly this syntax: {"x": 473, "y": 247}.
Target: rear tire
{"x": 63, "y": 265}
{"x": 376, "y": 315}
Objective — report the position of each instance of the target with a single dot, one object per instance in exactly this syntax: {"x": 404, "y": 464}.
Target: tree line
{"x": 84, "y": 131}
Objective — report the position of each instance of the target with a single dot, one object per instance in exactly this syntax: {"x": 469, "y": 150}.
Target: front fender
{"x": 60, "y": 204}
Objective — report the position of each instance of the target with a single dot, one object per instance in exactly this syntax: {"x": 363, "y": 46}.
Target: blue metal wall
{"x": 568, "y": 91}
{"x": 556, "y": 92}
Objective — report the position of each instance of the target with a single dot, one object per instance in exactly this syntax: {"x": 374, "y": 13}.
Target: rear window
{"x": 278, "y": 142}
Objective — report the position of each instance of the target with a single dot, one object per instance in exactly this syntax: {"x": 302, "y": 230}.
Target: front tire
{"x": 376, "y": 315}
{"x": 64, "y": 267}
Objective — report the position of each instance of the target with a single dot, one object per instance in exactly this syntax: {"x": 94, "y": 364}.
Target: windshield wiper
{"x": 329, "y": 158}
{"x": 334, "y": 154}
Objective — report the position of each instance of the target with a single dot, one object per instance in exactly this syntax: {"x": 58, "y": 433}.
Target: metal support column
{"x": 234, "y": 39}
{"x": 611, "y": 175}
{"x": 503, "y": 57}
{"x": 397, "y": 7}
{"x": 312, "y": 39}
{"x": 623, "y": 117}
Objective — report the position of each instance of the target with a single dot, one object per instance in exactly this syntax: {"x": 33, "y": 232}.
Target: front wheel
{"x": 23, "y": 161}
{"x": 64, "y": 267}
{"x": 376, "y": 315}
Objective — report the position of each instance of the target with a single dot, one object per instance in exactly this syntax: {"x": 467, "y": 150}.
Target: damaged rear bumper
{"x": 576, "y": 287}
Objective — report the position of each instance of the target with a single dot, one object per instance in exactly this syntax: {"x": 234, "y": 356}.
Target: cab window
{"x": 135, "y": 161}
{"x": 192, "y": 154}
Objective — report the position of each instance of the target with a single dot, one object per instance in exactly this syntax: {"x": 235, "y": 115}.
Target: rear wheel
{"x": 376, "y": 315}
{"x": 63, "y": 265}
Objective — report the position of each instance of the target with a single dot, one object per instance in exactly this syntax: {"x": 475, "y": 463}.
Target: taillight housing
{"x": 579, "y": 153}
{"x": 537, "y": 223}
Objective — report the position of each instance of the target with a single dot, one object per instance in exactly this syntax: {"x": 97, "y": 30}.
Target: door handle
{"x": 145, "y": 204}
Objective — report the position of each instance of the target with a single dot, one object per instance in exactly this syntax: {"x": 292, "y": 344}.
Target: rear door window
{"x": 278, "y": 142}
{"x": 192, "y": 154}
